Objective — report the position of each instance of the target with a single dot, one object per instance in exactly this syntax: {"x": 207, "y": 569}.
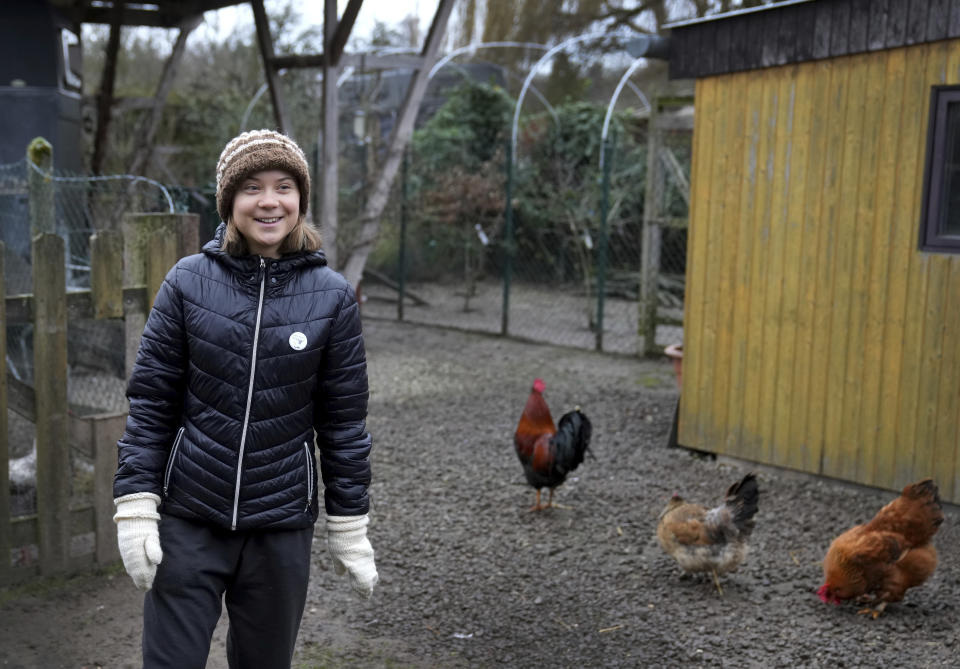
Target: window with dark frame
{"x": 940, "y": 220}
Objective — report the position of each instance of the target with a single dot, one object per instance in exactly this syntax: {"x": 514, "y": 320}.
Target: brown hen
{"x": 877, "y": 562}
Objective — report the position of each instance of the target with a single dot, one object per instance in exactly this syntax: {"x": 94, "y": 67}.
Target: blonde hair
{"x": 303, "y": 237}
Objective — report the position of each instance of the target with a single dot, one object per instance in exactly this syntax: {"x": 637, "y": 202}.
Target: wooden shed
{"x": 822, "y": 315}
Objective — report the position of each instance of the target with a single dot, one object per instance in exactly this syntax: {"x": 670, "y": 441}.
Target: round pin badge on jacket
{"x": 298, "y": 341}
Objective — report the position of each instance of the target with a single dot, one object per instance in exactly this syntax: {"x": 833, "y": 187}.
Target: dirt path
{"x": 469, "y": 578}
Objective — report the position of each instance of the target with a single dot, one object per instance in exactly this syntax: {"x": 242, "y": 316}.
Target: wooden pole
{"x": 50, "y": 382}
{"x": 329, "y": 180}
{"x": 149, "y": 127}
{"x": 4, "y": 437}
{"x": 152, "y": 244}
{"x": 107, "y": 430}
{"x": 40, "y": 187}
{"x": 269, "y": 69}
{"x": 370, "y": 220}
{"x": 105, "y": 94}
{"x": 106, "y": 274}
{"x": 650, "y": 260}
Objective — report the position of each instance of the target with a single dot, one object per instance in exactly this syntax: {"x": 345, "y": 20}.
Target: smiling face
{"x": 266, "y": 208}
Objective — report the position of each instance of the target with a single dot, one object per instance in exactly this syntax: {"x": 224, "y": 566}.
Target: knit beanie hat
{"x": 255, "y": 151}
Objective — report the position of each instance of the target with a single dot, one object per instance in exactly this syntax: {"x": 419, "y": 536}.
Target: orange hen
{"x": 877, "y": 562}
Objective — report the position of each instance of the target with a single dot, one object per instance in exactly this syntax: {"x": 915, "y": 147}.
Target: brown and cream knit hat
{"x": 254, "y": 151}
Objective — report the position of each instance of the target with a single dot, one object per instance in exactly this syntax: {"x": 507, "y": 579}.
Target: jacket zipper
{"x": 306, "y": 450}
{"x": 170, "y": 460}
{"x": 246, "y": 414}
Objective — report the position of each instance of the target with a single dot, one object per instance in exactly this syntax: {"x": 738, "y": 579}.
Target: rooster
{"x": 880, "y": 560}
{"x": 710, "y": 540}
{"x": 548, "y": 452}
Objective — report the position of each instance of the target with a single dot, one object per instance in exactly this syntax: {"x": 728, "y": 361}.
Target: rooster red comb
{"x": 539, "y": 385}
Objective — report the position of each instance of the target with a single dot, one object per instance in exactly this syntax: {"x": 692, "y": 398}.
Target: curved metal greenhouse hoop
{"x": 484, "y": 45}
{"x": 526, "y": 84}
{"x": 613, "y": 101}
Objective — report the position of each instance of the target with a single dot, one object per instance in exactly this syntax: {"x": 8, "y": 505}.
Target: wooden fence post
{"x": 106, "y": 274}
{"x": 5, "y": 542}
{"x": 40, "y": 187}
{"x": 106, "y": 431}
{"x": 652, "y": 214}
{"x": 50, "y": 382}
{"x": 152, "y": 244}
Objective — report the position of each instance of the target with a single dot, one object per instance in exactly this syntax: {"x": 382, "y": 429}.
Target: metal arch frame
{"x": 613, "y": 101}
{"x": 526, "y": 84}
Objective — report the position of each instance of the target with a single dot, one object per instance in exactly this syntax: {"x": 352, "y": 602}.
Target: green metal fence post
{"x": 402, "y": 259}
{"x": 508, "y": 243}
{"x": 602, "y": 247}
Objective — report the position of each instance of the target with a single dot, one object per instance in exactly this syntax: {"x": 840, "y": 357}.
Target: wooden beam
{"x": 329, "y": 181}
{"x": 362, "y": 61}
{"x": 371, "y": 61}
{"x": 148, "y": 130}
{"x": 105, "y": 94}
{"x": 343, "y": 28}
{"x": 80, "y": 304}
{"x": 129, "y": 17}
{"x": 402, "y": 131}
{"x": 269, "y": 67}
{"x": 50, "y": 388}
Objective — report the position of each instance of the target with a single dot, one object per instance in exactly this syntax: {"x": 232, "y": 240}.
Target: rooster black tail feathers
{"x": 742, "y": 498}
{"x": 572, "y": 439}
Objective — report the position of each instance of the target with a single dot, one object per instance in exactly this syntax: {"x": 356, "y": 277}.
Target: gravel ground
{"x": 470, "y": 578}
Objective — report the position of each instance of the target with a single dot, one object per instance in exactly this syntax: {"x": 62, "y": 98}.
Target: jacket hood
{"x": 245, "y": 264}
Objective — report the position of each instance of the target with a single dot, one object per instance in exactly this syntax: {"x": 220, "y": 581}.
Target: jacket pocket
{"x": 306, "y": 453}
{"x": 171, "y": 460}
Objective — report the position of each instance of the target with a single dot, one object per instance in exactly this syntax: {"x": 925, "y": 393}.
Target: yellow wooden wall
{"x": 817, "y": 336}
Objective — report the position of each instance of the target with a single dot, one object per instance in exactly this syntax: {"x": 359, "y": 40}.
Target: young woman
{"x": 253, "y": 347}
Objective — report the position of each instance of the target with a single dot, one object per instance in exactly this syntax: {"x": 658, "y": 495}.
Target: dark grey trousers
{"x": 261, "y": 575}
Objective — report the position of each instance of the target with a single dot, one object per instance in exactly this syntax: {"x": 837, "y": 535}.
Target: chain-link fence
{"x": 81, "y": 206}
{"x": 569, "y": 231}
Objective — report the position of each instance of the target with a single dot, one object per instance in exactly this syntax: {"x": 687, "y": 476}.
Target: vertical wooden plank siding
{"x": 828, "y": 224}
{"x": 878, "y": 341}
{"x": 917, "y": 278}
{"x": 902, "y": 254}
{"x": 751, "y": 441}
{"x": 854, "y": 392}
{"x": 817, "y": 336}
{"x": 800, "y": 456}
{"x": 745, "y": 257}
{"x": 689, "y": 428}
{"x": 773, "y": 285}
{"x": 948, "y": 413}
{"x": 774, "y": 303}
{"x": 727, "y": 228}
{"x": 801, "y": 101}
{"x": 837, "y": 459}
{"x": 713, "y": 357}
{"x": 932, "y": 322}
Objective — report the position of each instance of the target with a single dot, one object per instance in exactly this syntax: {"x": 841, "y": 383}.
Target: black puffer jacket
{"x": 240, "y": 361}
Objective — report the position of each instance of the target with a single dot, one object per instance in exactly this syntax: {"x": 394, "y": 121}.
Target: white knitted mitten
{"x": 138, "y": 534}
{"x": 351, "y": 551}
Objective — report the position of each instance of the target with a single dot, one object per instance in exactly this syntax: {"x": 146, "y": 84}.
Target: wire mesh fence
{"x": 569, "y": 232}
{"x": 81, "y": 206}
